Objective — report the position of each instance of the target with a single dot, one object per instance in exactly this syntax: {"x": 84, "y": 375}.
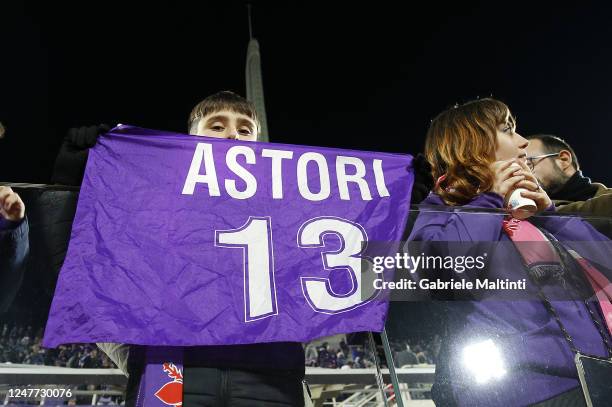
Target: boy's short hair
{"x": 224, "y": 100}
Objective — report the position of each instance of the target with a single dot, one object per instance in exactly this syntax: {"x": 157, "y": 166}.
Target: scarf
{"x": 524, "y": 231}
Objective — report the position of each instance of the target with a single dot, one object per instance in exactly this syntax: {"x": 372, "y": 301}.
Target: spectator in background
{"x": 14, "y": 245}
{"x": 420, "y": 355}
{"x": 90, "y": 360}
{"x": 556, "y": 166}
{"x": 359, "y": 364}
{"x": 348, "y": 365}
{"x": 36, "y": 356}
{"x": 406, "y": 357}
{"x": 2, "y": 130}
{"x": 340, "y": 359}
{"x": 345, "y": 348}
{"x": 105, "y": 401}
{"x": 325, "y": 358}
{"x": 357, "y": 352}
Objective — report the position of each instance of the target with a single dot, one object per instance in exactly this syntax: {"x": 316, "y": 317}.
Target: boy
{"x": 237, "y": 375}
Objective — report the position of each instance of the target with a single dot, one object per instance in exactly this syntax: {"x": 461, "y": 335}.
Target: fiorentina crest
{"x": 171, "y": 393}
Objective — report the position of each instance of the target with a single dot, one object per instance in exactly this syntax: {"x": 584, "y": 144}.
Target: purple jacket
{"x": 538, "y": 361}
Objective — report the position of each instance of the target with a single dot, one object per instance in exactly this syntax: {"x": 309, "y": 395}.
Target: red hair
{"x": 460, "y": 146}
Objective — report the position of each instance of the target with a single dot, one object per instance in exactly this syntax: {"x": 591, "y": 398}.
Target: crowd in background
{"x": 23, "y": 345}
{"x": 359, "y": 356}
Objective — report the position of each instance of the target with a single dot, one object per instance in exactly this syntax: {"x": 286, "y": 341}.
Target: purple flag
{"x": 183, "y": 240}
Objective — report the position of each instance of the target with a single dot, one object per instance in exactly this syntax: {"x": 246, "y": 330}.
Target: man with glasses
{"x": 555, "y": 165}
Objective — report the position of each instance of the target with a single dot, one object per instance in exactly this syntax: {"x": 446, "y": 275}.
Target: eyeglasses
{"x": 531, "y": 160}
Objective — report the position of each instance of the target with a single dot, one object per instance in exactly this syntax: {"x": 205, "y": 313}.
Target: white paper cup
{"x": 520, "y": 207}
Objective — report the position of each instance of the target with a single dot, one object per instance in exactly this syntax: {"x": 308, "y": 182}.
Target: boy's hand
{"x": 87, "y": 136}
{"x": 12, "y": 207}
{"x": 423, "y": 181}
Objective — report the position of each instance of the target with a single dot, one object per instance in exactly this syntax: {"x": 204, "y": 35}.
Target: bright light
{"x": 484, "y": 361}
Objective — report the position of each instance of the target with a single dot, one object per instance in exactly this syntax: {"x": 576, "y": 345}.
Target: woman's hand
{"x": 506, "y": 177}
{"x": 532, "y": 187}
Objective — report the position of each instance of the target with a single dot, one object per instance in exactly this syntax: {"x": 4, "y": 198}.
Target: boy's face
{"x": 227, "y": 124}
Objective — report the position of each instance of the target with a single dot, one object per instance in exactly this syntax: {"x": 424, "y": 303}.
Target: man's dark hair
{"x": 554, "y": 144}
{"x": 224, "y": 100}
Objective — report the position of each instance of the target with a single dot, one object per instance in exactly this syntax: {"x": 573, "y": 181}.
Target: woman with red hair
{"x": 506, "y": 352}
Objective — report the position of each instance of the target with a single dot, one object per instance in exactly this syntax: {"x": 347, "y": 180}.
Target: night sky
{"x": 356, "y": 76}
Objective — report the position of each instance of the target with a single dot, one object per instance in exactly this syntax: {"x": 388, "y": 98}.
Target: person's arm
{"x": 460, "y": 226}
{"x": 423, "y": 181}
{"x": 14, "y": 245}
{"x": 474, "y": 232}
{"x": 465, "y": 226}
{"x": 567, "y": 227}
{"x": 579, "y": 235}
{"x": 598, "y": 206}
{"x": 72, "y": 157}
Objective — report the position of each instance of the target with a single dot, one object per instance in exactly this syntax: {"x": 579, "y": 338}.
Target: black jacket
{"x": 14, "y": 248}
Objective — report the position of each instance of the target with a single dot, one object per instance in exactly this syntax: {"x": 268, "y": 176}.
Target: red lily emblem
{"x": 171, "y": 393}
